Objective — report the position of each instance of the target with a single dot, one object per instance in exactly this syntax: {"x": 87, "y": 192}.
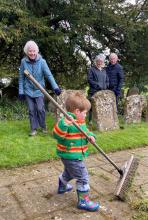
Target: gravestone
{"x": 104, "y": 110}
{"x": 133, "y": 108}
{"x": 145, "y": 108}
{"x": 61, "y": 101}
{"x": 133, "y": 91}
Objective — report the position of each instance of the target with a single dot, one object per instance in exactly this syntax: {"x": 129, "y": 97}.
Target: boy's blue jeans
{"x": 75, "y": 169}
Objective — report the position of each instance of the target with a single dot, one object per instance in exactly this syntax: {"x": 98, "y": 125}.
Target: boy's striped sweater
{"x": 72, "y": 144}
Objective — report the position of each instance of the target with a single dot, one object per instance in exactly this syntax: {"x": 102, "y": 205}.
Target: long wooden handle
{"x": 68, "y": 117}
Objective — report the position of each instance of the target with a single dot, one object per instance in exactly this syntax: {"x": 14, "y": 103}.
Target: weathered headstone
{"x": 104, "y": 110}
{"x": 133, "y": 91}
{"x": 145, "y": 108}
{"x": 133, "y": 108}
{"x": 61, "y": 101}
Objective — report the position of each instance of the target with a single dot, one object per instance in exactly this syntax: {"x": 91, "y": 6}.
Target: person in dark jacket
{"x": 116, "y": 75}
{"x": 97, "y": 78}
{"x": 38, "y": 68}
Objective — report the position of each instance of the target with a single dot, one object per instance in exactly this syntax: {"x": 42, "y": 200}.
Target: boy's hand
{"x": 92, "y": 139}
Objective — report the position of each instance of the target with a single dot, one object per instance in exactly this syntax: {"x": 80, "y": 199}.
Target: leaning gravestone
{"x": 133, "y": 108}
{"x": 133, "y": 91}
{"x": 61, "y": 101}
{"x": 104, "y": 110}
{"x": 145, "y": 110}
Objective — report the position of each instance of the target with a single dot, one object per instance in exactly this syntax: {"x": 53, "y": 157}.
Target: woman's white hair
{"x": 31, "y": 44}
{"x": 101, "y": 56}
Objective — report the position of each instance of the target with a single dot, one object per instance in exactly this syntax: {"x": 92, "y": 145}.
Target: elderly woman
{"x": 38, "y": 68}
{"x": 97, "y": 78}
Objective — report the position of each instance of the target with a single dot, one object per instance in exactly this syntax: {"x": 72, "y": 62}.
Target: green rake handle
{"x": 67, "y": 116}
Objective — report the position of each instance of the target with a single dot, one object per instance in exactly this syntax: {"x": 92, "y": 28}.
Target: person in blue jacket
{"x": 38, "y": 68}
{"x": 116, "y": 75}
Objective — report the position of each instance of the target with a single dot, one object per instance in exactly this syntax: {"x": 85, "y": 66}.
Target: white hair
{"x": 101, "y": 56}
{"x": 31, "y": 44}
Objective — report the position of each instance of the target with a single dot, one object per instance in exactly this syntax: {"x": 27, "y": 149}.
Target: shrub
{"x": 12, "y": 109}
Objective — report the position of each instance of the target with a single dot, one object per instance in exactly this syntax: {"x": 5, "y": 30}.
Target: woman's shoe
{"x": 33, "y": 133}
{"x": 45, "y": 131}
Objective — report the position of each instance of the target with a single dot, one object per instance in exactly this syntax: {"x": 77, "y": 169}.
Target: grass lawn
{"x": 17, "y": 148}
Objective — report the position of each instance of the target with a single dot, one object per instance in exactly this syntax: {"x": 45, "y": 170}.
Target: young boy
{"x": 72, "y": 148}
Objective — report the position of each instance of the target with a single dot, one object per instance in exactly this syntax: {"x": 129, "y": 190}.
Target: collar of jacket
{"x": 100, "y": 68}
{"x": 74, "y": 116}
{"x": 112, "y": 65}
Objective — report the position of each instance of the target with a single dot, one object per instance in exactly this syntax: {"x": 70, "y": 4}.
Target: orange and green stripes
{"x": 72, "y": 144}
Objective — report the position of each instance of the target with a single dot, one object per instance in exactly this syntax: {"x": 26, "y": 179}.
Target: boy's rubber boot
{"x": 85, "y": 203}
{"x": 62, "y": 188}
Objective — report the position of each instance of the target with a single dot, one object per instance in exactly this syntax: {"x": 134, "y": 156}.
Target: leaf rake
{"x": 127, "y": 173}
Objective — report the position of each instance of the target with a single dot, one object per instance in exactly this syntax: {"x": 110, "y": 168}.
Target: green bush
{"x": 12, "y": 109}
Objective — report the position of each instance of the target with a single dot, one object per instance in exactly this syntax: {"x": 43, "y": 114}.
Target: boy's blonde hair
{"x": 77, "y": 100}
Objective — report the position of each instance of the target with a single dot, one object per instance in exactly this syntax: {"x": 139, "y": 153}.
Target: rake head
{"x": 126, "y": 179}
